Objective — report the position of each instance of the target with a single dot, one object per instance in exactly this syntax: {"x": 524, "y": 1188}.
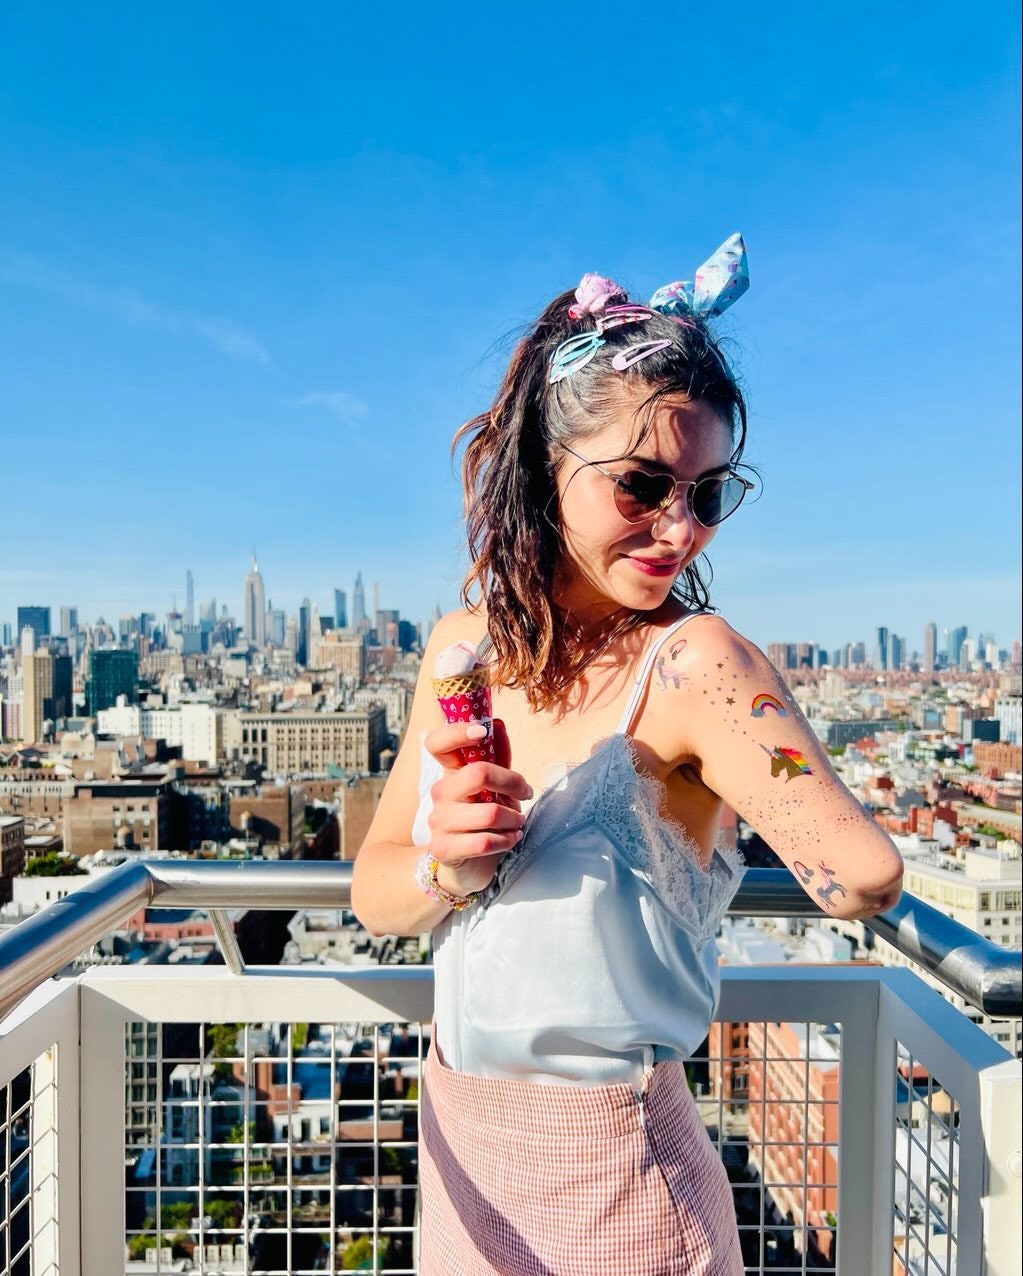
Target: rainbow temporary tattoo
{"x": 791, "y": 761}
{"x": 766, "y": 701}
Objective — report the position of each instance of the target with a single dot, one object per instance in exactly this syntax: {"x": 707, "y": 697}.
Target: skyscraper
{"x": 276, "y": 622}
{"x": 38, "y": 618}
{"x": 383, "y": 621}
{"x": 954, "y": 639}
{"x": 112, "y": 673}
{"x": 896, "y": 652}
{"x": 305, "y": 612}
{"x": 882, "y": 648}
{"x": 189, "y": 598}
{"x": 254, "y": 607}
{"x": 63, "y": 688}
{"x": 359, "y": 616}
{"x": 340, "y": 609}
{"x": 930, "y": 647}
{"x": 315, "y": 637}
{"x": 37, "y": 695}
{"x": 68, "y": 620}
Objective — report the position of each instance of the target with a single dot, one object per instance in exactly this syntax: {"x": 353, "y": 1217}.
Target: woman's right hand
{"x": 469, "y": 838}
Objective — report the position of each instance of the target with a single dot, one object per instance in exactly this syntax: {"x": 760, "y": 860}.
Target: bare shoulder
{"x": 709, "y": 642}
{"x": 457, "y": 626}
{"x": 707, "y": 678}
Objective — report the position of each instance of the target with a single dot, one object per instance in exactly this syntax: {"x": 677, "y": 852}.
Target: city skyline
{"x": 275, "y": 302}
{"x": 253, "y": 585}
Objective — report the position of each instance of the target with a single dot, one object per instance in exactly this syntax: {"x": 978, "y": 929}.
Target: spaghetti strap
{"x": 643, "y": 675}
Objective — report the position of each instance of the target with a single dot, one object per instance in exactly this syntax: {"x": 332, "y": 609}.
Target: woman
{"x": 574, "y": 917}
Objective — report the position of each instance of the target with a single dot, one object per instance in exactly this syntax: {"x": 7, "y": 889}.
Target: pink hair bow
{"x": 593, "y": 294}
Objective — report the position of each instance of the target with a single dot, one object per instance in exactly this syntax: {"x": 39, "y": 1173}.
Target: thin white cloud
{"x": 347, "y": 408}
{"x": 127, "y": 306}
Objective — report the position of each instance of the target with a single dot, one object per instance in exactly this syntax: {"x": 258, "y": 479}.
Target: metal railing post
{"x": 1001, "y": 1115}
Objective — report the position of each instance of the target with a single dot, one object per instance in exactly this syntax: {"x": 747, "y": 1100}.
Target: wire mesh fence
{"x": 286, "y": 1148}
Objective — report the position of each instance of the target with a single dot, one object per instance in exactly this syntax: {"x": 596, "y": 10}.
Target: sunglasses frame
{"x": 689, "y": 484}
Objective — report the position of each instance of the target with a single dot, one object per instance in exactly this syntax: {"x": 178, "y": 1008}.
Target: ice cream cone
{"x": 465, "y": 697}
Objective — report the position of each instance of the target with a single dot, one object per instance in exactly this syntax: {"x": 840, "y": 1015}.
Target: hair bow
{"x": 720, "y": 281}
{"x": 593, "y": 294}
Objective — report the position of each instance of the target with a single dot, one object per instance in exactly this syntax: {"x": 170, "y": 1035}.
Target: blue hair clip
{"x": 574, "y": 354}
{"x": 718, "y": 283}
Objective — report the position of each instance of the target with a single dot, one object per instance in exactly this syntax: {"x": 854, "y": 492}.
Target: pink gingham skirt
{"x": 521, "y": 1179}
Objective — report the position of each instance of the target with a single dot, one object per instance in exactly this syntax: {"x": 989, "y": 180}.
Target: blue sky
{"x": 257, "y": 263}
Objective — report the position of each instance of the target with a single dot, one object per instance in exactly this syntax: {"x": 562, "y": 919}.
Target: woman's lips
{"x": 656, "y": 566}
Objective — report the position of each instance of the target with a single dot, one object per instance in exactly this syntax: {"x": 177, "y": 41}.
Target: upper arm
{"x": 396, "y": 811}
{"x": 758, "y": 753}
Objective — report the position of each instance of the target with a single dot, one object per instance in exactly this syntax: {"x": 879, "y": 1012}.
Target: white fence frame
{"x": 78, "y": 1228}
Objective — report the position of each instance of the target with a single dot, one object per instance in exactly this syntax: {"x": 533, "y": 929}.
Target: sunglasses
{"x": 640, "y": 495}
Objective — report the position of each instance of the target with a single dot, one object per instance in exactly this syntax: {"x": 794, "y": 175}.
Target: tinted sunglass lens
{"x": 715, "y": 499}
{"x": 638, "y": 494}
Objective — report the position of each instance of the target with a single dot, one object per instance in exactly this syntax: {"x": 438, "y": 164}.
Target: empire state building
{"x": 254, "y": 607}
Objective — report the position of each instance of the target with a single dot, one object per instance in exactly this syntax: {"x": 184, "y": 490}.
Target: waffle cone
{"x": 461, "y": 684}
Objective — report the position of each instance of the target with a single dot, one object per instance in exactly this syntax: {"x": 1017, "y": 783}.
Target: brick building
{"x": 293, "y": 742}
{"x": 135, "y": 814}
{"x": 358, "y": 799}
{"x": 274, "y": 813}
{"x": 12, "y": 853}
{"x": 996, "y": 759}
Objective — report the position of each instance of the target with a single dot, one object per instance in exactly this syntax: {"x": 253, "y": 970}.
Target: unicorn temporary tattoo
{"x": 830, "y": 886}
{"x": 667, "y": 675}
{"x": 791, "y": 761}
{"x": 665, "y": 670}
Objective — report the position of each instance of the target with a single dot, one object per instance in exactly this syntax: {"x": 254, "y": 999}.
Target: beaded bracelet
{"x": 427, "y": 867}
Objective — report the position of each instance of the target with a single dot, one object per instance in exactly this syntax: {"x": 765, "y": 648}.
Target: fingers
{"x": 444, "y": 742}
{"x": 461, "y": 830}
{"x": 464, "y": 784}
{"x": 462, "y": 781}
{"x": 472, "y": 817}
{"x": 458, "y": 849}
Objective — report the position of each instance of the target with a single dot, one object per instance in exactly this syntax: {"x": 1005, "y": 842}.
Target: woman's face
{"x": 607, "y": 562}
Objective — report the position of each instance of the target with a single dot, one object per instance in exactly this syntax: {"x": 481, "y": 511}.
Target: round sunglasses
{"x": 640, "y": 495}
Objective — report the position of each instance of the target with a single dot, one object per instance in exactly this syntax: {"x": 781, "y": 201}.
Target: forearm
{"x": 385, "y": 895}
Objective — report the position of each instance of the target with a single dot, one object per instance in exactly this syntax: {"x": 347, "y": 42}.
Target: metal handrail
{"x": 987, "y": 976}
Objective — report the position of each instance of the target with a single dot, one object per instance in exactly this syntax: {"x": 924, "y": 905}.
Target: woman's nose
{"x": 675, "y": 524}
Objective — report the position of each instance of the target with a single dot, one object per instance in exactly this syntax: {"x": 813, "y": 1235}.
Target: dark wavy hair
{"x": 509, "y": 465}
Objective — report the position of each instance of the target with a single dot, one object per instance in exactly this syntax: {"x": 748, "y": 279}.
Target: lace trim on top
{"x": 627, "y": 804}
